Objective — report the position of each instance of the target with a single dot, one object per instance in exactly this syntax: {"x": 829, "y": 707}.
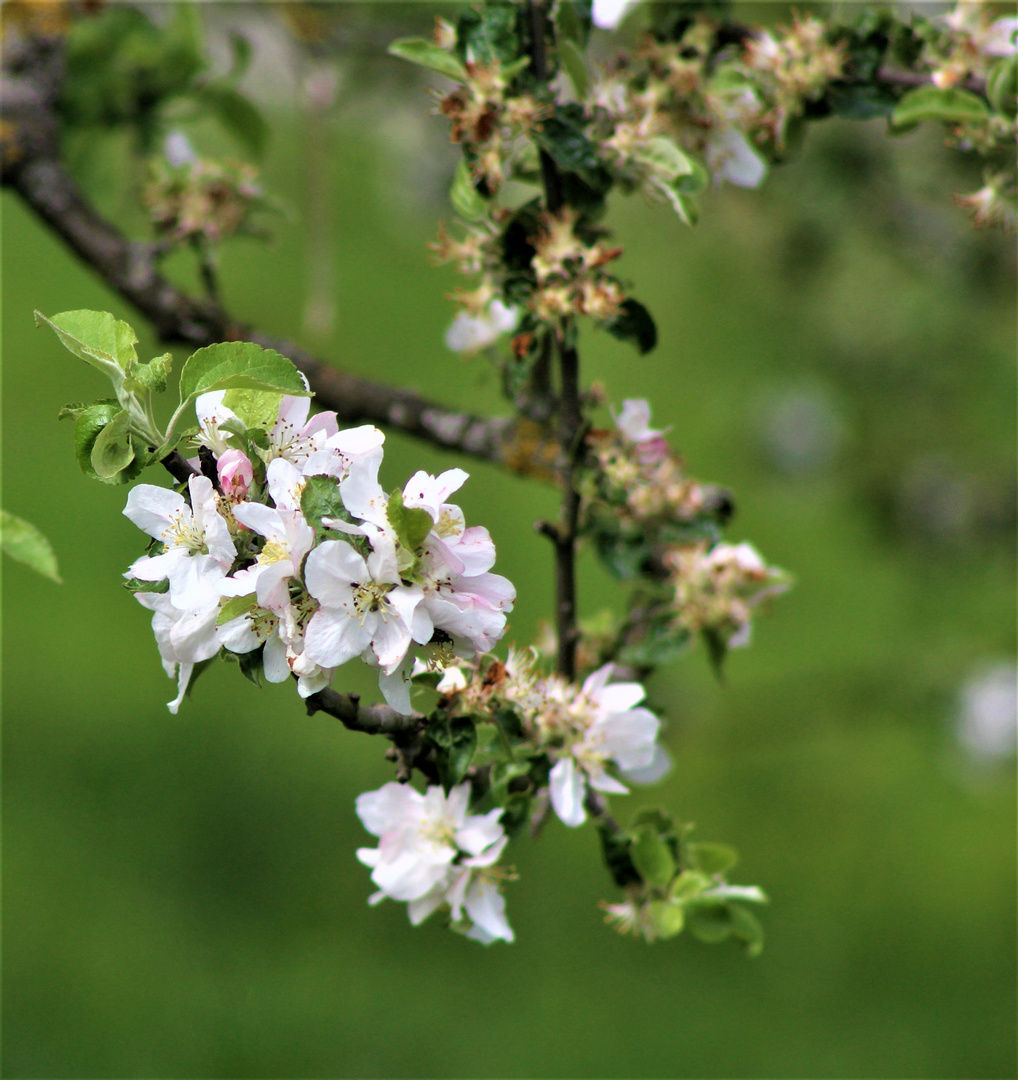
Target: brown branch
{"x": 32, "y": 167}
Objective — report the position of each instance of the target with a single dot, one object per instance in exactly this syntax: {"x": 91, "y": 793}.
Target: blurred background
{"x": 837, "y": 349}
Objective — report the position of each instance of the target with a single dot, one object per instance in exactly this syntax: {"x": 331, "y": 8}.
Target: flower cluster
{"x": 583, "y": 730}
{"x": 431, "y": 853}
{"x": 201, "y": 199}
{"x": 717, "y": 588}
{"x": 637, "y": 474}
{"x": 290, "y": 546}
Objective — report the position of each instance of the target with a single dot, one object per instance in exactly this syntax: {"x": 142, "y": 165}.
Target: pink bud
{"x": 235, "y": 473}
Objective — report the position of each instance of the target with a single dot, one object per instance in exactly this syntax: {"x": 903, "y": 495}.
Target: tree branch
{"x": 32, "y": 167}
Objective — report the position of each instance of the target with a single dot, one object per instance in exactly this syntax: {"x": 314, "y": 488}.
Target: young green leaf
{"x": 464, "y": 196}
{"x": 320, "y": 499}
{"x": 113, "y": 450}
{"x": 454, "y": 739}
{"x": 22, "y": 541}
{"x": 88, "y": 426}
{"x": 949, "y": 106}
{"x": 95, "y": 337}
{"x": 652, "y": 858}
{"x": 428, "y": 54}
{"x": 151, "y": 376}
{"x": 411, "y": 524}
{"x": 257, "y": 408}
{"x": 235, "y": 607}
{"x": 575, "y": 66}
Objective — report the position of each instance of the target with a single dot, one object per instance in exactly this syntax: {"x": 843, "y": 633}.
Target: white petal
{"x": 567, "y": 788}
{"x": 151, "y": 508}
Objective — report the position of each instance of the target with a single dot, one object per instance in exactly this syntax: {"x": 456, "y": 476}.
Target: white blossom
{"x": 197, "y": 549}
{"x": 431, "y": 852}
{"x": 468, "y": 333}
{"x": 184, "y": 638}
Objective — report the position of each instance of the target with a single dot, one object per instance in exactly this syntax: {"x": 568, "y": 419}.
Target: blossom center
{"x": 185, "y": 533}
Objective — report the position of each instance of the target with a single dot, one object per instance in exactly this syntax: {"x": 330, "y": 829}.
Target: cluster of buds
{"x": 717, "y": 588}
{"x": 288, "y": 548}
{"x": 484, "y": 117}
{"x": 200, "y": 199}
{"x": 993, "y": 205}
{"x": 638, "y": 475}
{"x": 971, "y": 44}
{"x": 789, "y": 68}
{"x": 571, "y": 279}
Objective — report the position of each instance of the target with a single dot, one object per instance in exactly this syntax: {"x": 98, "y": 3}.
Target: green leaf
{"x": 88, "y": 426}
{"x": 236, "y": 365}
{"x": 151, "y": 376}
{"x": 615, "y": 852}
{"x": 634, "y": 324}
{"x": 236, "y": 114}
{"x": 564, "y": 136}
{"x": 22, "y": 541}
{"x": 571, "y": 26}
{"x": 717, "y": 650}
{"x": 113, "y": 450}
{"x": 666, "y": 918}
{"x": 652, "y": 858}
{"x": 235, "y": 607}
{"x": 488, "y": 32}
{"x": 134, "y": 585}
{"x": 711, "y": 858}
{"x": 687, "y": 886}
{"x": 95, "y": 337}
{"x": 73, "y": 409}
{"x": 949, "y": 106}
{"x": 683, "y": 205}
{"x": 257, "y": 408}
{"x": 1002, "y": 86}
{"x": 320, "y": 499}
{"x": 574, "y": 64}
{"x": 252, "y": 665}
{"x": 411, "y": 524}
{"x": 710, "y": 921}
{"x": 693, "y": 182}
{"x": 428, "y": 54}
{"x": 662, "y": 156}
{"x": 747, "y": 928}
{"x": 454, "y": 739}
{"x": 465, "y": 198}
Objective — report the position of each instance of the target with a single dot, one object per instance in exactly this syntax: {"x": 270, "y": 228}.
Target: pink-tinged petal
{"x": 475, "y": 550}
{"x": 152, "y": 508}
{"x": 358, "y": 440}
{"x": 618, "y": 697}
{"x": 323, "y": 423}
{"x": 567, "y": 786}
{"x": 489, "y": 856}
{"x": 236, "y": 473}
{"x": 293, "y": 411}
{"x": 330, "y": 571}
{"x": 391, "y": 806}
{"x": 332, "y": 638}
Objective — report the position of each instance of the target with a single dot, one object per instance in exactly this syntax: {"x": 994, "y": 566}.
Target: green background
{"x": 181, "y": 893}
